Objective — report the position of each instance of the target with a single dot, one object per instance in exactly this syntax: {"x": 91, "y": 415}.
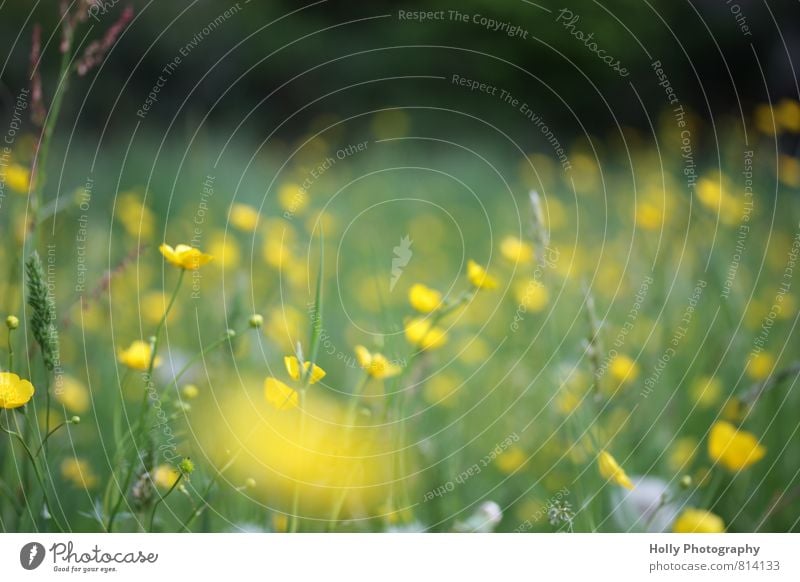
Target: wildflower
{"x": 422, "y": 334}
{"x": 18, "y": 178}
{"x": 14, "y": 391}
{"x": 610, "y": 470}
{"x": 12, "y": 322}
{"x": 225, "y": 250}
{"x": 375, "y": 364}
{"x": 293, "y": 198}
{"x": 734, "y": 410}
{"x": 624, "y": 369}
{"x": 153, "y": 306}
{"x": 280, "y": 395}
{"x": 165, "y": 476}
{"x": 442, "y": 390}
{"x": 787, "y": 114}
{"x": 682, "y": 453}
{"x": 137, "y": 356}
{"x": 78, "y": 472}
{"x": 516, "y": 250}
{"x": 293, "y": 367}
{"x": 424, "y": 299}
{"x": 478, "y": 276}
{"x": 649, "y": 216}
{"x": 511, "y": 460}
{"x": 706, "y": 391}
{"x": 244, "y": 217}
{"x": 698, "y": 521}
{"x": 732, "y": 448}
{"x": 190, "y": 391}
{"x": 760, "y": 366}
{"x": 184, "y": 256}
{"x": 136, "y": 218}
{"x": 73, "y": 395}
{"x": 532, "y": 295}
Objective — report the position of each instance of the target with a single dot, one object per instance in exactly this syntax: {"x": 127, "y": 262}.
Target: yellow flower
{"x": 706, "y": 391}
{"x": 682, "y": 454}
{"x": 478, "y": 276}
{"x": 73, "y": 395}
{"x": 190, "y": 391}
{"x": 137, "y": 356}
{"x": 789, "y": 171}
{"x": 734, "y": 410}
{"x": 154, "y": 304}
{"x": 293, "y": 198}
{"x": 516, "y": 250}
{"x": 165, "y": 476}
{"x": 532, "y": 295}
{"x": 698, "y": 521}
{"x": 424, "y": 299}
{"x": 511, "y": 460}
{"x": 420, "y": 333}
{"x": 649, "y": 216}
{"x": 375, "y": 364}
{"x": 624, "y": 369}
{"x": 184, "y": 256}
{"x": 293, "y": 367}
{"x": 14, "y": 391}
{"x": 760, "y": 366}
{"x": 280, "y": 395}
{"x": 732, "y": 448}
{"x": 78, "y": 472}
{"x": 136, "y": 218}
{"x": 610, "y": 470}
{"x": 225, "y": 251}
{"x": 244, "y": 217}
{"x": 787, "y": 114}
{"x": 18, "y": 178}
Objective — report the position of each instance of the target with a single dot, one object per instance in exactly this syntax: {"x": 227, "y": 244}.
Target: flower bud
{"x": 256, "y": 320}
{"x": 12, "y": 322}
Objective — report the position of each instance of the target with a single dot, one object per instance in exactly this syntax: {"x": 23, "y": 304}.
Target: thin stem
{"x": 10, "y": 352}
{"x": 49, "y": 434}
{"x": 161, "y": 499}
{"x": 196, "y": 511}
{"x": 295, "y": 521}
{"x": 38, "y": 473}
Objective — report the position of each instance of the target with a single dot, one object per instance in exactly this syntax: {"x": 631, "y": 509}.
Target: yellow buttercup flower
{"x": 14, "y": 391}
{"x": 760, "y": 366}
{"x": 165, "y": 476}
{"x": 732, "y": 448}
{"x": 184, "y": 256}
{"x": 424, "y": 299}
{"x": 293, "y": 367}
{"x": 280, "y": 395}
{"x": 78, "y": 472}
{"x": 682, "y": 453}
{"x": 649, "y": 216}
{"x": 375, "y": 364}
{"x": 610, "y": 470}
{"x": 422, "y": 334}
{"x": 137, "y": 356}
{"x": 73, "y": 395}
{"x": 244, "y": 217}
{"x": 478, "y": 276}
{"x": 698, "y": 521}
{"x": 516, "y": 250}
{"x": 624, "y": 369}
{"x": 511, "y": 460}
{"x": 18, "y": 178}
{"x": 706, "y": 391}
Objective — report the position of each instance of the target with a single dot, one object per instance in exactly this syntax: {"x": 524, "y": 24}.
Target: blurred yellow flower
{"x": 292, "y": 198}
{"x": 375, "y": 364}
{"x": 165, "y": 476}
{"x": 137, "y": 356}
{"x": 18, "y": 178}
{"x": 787, "y": 115}
{"x": 244, "y": 217}
{"x": 184, "y": 256}
{"x": 14, "y": 391}
{"x": 649, "y": 216}
{"x": 478, "y": 276}
{"x": 137, "y": 220}
{"x": 610, "y": 470}
{"x": 682, "y": 453}
{"x": 280, "y": 395}
{"x": 424, "y": 299}
{"x": 567, "y": 401}
{"x": 293, "y": 368}
{"x": 225, "y": 251}
{"x": 78, "y": 472}
{"x": 698, "y": 521}
{"x": 714, "y": 195}
{"x": 734, "y": 410}
{"x": 760, "y": 366}
{"x": 515, "y": 250}
{"x": 420, "y": 333}
{"x": 511, "y": 460}
{"x": 732, "y": 448}
{"x": 72, "y": 394}
{"x": 442, "y": 390}
{"x": 789, "y": 171}
{"x": 624, "y": 369}
{"x": 190, "y": 391}
{"x": 706, "y": 391}
{"x": 154, "y": 304}
{"x": 532, "y": 295}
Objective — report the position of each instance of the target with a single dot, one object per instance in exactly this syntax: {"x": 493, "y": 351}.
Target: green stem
{"x": 37, "y": 472}
{"x": 160, "y": 500}
{"x": 204, "y": 497}
{"x": 295, "y": 521}
{"x": 10, "y": 352}
{"x": 49, "y": 434}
